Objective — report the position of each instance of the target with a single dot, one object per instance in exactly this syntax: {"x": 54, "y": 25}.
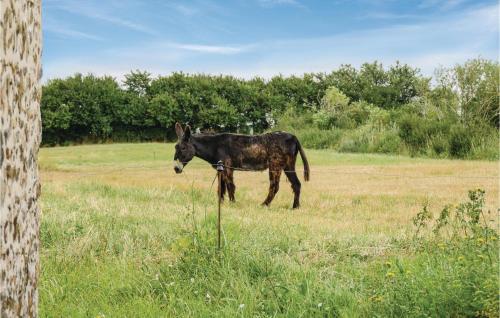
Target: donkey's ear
{"x": 187, "y": 133}
{"x": 178, "y": 130}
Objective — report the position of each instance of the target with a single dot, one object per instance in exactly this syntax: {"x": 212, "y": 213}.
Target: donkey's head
{"x": 184, "y": 149}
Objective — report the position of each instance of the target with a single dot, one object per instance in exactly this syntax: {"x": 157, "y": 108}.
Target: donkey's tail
{"x": 304, "y": 160}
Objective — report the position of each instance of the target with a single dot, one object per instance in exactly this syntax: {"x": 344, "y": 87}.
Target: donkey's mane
{"x": 210, "y": 134}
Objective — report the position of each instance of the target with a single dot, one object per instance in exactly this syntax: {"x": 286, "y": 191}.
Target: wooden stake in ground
{"x": 20, "y": 134}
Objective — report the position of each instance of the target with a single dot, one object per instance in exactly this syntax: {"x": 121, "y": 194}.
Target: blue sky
{"x": 249, "y": 38}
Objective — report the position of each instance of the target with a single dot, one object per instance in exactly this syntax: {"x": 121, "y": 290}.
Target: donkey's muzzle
{"x": 178, "y": 166}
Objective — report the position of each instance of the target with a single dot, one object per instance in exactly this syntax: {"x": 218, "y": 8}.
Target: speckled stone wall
{"x": 20, "y": 133}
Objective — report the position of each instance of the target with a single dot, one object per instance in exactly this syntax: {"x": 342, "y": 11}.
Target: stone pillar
{"x": 20, "y": 134}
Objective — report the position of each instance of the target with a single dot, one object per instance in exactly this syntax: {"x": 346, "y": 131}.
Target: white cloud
{"x": 121, "y": 22}
{"x": 68, "y": 32}
{"x": 210, "y": 48}
{"x": 183, "y": 9}
{"x": 389, "y": 16}
{"x": 273, "y": 3}
{"x": 441, "y": 4}
{"x": 87, "y": 10}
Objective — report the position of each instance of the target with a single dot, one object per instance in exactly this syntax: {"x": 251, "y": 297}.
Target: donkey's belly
{"x": 254, "y": 165}
{"x": 254, "y": 157}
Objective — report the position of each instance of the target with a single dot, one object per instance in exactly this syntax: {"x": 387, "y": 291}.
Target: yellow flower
{"x": 376, "y": 298}
{"x": 480, "y": 240}
{"x": 390, "y": 275}
{"x": 461, "y": 258}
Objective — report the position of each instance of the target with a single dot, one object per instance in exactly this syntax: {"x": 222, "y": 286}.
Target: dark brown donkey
{"x": 276, "y": 151}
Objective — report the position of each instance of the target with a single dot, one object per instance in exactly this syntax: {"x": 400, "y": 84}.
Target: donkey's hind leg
{"x": 274, "y": 184}
{"x": 294, "y": 180}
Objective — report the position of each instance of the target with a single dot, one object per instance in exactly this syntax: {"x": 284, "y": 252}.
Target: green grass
{"x": 124, "y": 236}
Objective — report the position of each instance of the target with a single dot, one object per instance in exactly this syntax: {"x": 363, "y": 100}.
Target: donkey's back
{"x": 257, "y": 151}
{"x": 274, "y": 150}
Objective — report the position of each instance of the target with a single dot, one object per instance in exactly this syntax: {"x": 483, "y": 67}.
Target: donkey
{"x": 276, "y": 151}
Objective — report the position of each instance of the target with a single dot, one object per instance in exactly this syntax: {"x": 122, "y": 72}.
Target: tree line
{"x": 345, "y": 109}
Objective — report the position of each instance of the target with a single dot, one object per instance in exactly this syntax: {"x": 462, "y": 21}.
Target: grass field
{"x": 124, "y": 236}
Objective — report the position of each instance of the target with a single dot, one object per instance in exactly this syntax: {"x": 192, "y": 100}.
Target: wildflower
{"x": 461, "y": 258}
{"x": 100, "y": 315}
{"x": 376, "y": 298}
{"x": 208, "y": 296}
{"x": 242, "y": 306}
{"x": 480, "y": 240}
{"x": 390, "y": 275}
{"x": 320, "y": 305}
{"x": 192, "y": 280}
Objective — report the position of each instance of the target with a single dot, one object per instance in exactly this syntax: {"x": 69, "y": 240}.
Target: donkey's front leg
{"x": 274, "y": 184}
{"x": 231, "y": 188}
{"x": 222, "y": 190}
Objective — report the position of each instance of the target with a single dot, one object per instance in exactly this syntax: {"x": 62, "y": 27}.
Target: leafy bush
{"x": 387, "y": 142}
{"x": 487, "y": 147}
{"x": 356, "y": 140}
{"x": 413, "y": 131}
{"x": 291, "y": 121}
{"x": 319, "y": 139}
{"x": 359, "y": 112}
{"x": 323, "y": 120}
{"x": 334, "y": 100}
{"x": 460, "y": 141}
{"x": 439, "y": 145}
{"x": 341, "y": 114}
{"x": 344, "y": 121}
{"x": 379, "y": 119}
